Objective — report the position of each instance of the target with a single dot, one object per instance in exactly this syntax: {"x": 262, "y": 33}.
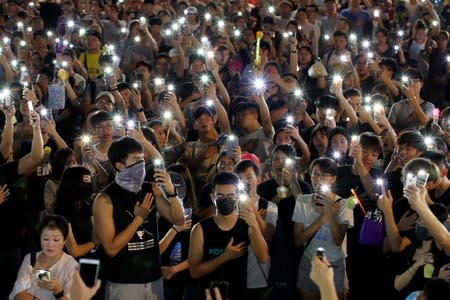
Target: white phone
{"x": 89, "y": 270}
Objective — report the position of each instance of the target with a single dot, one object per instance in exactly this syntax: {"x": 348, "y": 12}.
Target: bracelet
{"x": 172, "y": 195}
{"x": 141, "y": 109}
{"x": 173, "y": 227}
{"x": 59, "y": 295}
{"x": 294, "y": 51}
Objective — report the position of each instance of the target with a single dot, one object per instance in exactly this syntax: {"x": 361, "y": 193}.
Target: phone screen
{"x": 89, "y": 271}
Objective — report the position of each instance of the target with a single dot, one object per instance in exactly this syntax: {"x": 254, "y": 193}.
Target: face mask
{"x": 422, "y": 233}
{"x": 225, "y": 206}
{"x": 132, "y": 177}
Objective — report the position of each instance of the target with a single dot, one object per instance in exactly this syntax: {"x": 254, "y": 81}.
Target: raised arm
{"x": 30, "y": 161}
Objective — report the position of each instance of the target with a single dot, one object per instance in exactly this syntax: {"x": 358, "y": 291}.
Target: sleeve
{"x": 428, "y": 110}
{"x": 271, "y": 214}
{"x": 66, "y": 281}
{"x": 298, "y": 216}
{"x": 345, "y": 215}
{"x": 23, "y": 280}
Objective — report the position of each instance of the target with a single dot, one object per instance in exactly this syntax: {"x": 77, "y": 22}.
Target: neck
{"x": 443, "y": 186}
{"x": 207, "y": 137}
{"x": 252, "y": 127}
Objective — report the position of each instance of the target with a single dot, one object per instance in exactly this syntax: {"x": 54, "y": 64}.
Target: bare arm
{"x": 30, "y": 161}
{"x": 265, "y": 116}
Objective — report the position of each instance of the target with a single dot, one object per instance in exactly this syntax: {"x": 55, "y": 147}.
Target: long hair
{"x": 191, "y": 192}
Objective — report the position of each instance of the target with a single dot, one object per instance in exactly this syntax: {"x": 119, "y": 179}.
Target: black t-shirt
{"x": 11, "y": 213}
{"x": 395, "y": 184}
{"x": 443, "y": 199}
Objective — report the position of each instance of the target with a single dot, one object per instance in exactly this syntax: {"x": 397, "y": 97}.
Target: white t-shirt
{"x": 304, "y": 213}
{"x": 255, "y": 278}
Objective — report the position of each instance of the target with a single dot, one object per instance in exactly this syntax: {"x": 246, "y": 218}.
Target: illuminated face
{"x": 284, "y": 138}
{"x": 92, "y": 43}
{"x": 304, "y": 57}
{"x": 196, "y": 67}
{"x": 407, "y": 153}
{"x": 279, "y": 159}
{"x": 340, "y": 43}
{"x": 162, "y": 66}
{"x": 369, "y": 158}
{"x": 104, "y": 130}
{"x": 160, "y": 134}
{"x": 52, "y": 242}
{"x": 355, "y": 102}
{"x": 225, "y": 164}
{"x": 145, "y": 72}
{"x": 250, "y": 178}
{"x": 320, "y": 142}
{"x": 104, "y": 103}
{"x": 319, "y": 177}
{"x": 339, "y": 143}
{"x": 204, "y": 123}
{"x": 126, "y": 95}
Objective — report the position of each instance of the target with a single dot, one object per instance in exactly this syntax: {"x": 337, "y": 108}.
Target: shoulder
{"x": 102, "y": 200}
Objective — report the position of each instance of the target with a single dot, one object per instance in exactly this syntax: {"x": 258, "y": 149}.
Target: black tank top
{"x": 139, "y": 260}
{"x": 215, "y": 242}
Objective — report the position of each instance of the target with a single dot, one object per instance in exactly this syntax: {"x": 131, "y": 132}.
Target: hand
{"x": 80, "y": 290}
{"x": 425, "y": 258}
{"x": 289, "y": 175}
{"x": 444, "y": 272}
{"x": 356, "y": 152}
{"x": 406, "y": 222}
{"x": 293, "y": 42}
{"x": 247, "y": 214}
{"x": 416, "y": 197}
{"x": 136, "y": 98}
{"x": 185, "y": 227}
{"x": 395, "y": 160}
{"x": 163, "y": 178}
{"x": 53, "y": 285}
{"x": 50, "y": 126}
{"x": 336, "y": 88}
{"x": 9, "y": 111}
{"x": 409, "y": 91}
{"x": 171, "y": 99}
{"x": 437, "y": 130}
{"x": 36, "y": 120}
{"x": 385, "y": 201}
{"x": 217, "y": 294}
{"x": 136, "y": 134}
{"x": 168, "y": 272}
{"x": 212, "y": 65}
{"x": 293, "y": 133}
{"x": 4, "y": 193}
{"x": 363, "y": 115}
{"x": 232, "y": 252}
{"x": 321, "y": 271}
{"x": 236, "y": 154}
{"x": 89, "y": 154}
{"x": 144, "y": 208}
{"x": 30, "y": 95}
{"x": 262, "y": 212}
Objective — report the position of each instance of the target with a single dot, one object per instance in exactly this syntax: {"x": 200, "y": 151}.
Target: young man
{"x": 441, "y": 192}
{"x": 266, "y": 214}
{"x": 125, "y": 222}
{"x": 218, "y": 244}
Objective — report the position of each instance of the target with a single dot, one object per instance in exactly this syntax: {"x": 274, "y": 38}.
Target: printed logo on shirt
{"x": 214, "y": 252}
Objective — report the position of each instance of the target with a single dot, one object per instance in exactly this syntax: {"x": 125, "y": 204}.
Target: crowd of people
{"x": 285, "y": 149}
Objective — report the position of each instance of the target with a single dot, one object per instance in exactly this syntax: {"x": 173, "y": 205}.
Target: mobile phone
{"x": 330, "y": 114}
{"x": 320, "y": 252}
{"x": 89, "y": 270}
{"x": 159, "y": 165}
{"x": 139, "y": 76}
{"x": 421, "y": 178}
{"x": 232, "y": 141}
{"x": 223, "y": 286}
{"x": 410, "y": 179}
{"x": 43, "y": 275}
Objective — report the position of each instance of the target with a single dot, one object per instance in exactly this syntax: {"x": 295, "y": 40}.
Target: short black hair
{"x": 286, "y": 149}
{"x": 59, "y": 161}
{"x": 120, "y": 149}
{"x": 338, "y": 130}
{"x": 389, "y": 63}
{"x": 245, "y": 164}
{"x": 352, "y": 93}
{"x": 100, "y": 116}
{"x": 223, "y": 178}
{"x": 340, "y": 33}
{"x": 436, "y": 157}
{"x": 145, "y": 64}
{"x": 371, "y": 141}
{"x": 412, "y": 138}
{"x": 327, "y": 101}
{"x": 414, "y": 74}
{"x": 55, "y": 222}
{"x": 123, "y": 86}
{"x": 326, "y": 165}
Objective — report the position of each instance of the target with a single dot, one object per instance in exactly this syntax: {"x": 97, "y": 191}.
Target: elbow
{"x": 194, "y": 273}
{"x": 110, "y": 251}
{"x": 397, "y": 285}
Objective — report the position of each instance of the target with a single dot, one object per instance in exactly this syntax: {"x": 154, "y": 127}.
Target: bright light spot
{"x": 86, "y": 139}
{"x": 365, "y": 44}
{"x": 167, "y": 115}
{"x": 117, "y": 119}
{"x": 70, "y": 23}
{"x": 159, "y": 81}
{"x": 353, "y": 37}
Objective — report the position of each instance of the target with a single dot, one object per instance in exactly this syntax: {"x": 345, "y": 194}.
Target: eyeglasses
{"x": 320, "y": 176}
{"x": 224, "y": 165}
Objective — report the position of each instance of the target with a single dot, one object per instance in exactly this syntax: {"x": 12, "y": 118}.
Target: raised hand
{"x": 144, "y": 208}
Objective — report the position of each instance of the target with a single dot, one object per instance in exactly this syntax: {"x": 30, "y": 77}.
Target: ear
{"x": 429, "y": 185}
{"x": 214, "y": 118}
{"x": 258, "y": 180}
{"x": 119, "y": 166}
{"x": 444, "y": 172}
{"x": 213, "y": 199}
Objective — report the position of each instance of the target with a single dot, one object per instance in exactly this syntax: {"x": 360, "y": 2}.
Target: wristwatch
{"x": 59, "y": 295}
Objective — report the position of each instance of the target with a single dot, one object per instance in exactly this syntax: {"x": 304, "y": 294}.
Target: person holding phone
{"x": 321, "y": 220}
{"x": 126, "y": 224}
{"x": 48, "y": 273}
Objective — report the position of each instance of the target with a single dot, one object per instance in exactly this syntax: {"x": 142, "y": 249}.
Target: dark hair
{"x": 340, "y": 33}
{"x": 245, "y": 164}
{"x": 286, "y": 149}
{"x": 437, "y": 289}
{"x": 59, "y": 162}
{"x": 338, "y": 130}
{"x": 120, "y": 149}
{"x": 352, "y": 93}
{"x": 71, "y": 194}
{"x": 191, "y": 192}
{"x": 55, "y": 222}
{"x": 224, "y": 178}
{"x": 370, "y": 141}
{"x": 194, "y": 56}
{"x": 326, "y": 165}
{"x": 150, "y": 136}
{"x": 123, "y": 86}
{"x": 414, "y": 74}
{"x": 383, "y": 31}
{"x": 100, "y": 116}
{"x": 389, "y": 63}
{"x": 327, "y": 101}
{"x": 437, "y": 158}
{"x": 144, "y": 64}
{"x": 417, "y": 164}
{"x": 412, "y": 138}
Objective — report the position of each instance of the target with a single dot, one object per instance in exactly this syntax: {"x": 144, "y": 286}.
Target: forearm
{"x": 265, "y": 116}
{"x": 391, "y": 86}
{"x": 166, "y": 240}
{"x": 423, "y": 119}
{"x": 122, "y": 238}
{"x": 181, "y": 61}
{"x": 79, "y": 250}
{"x": 204, "y": 268}
{"x": 293, "y": 62}
{"x": 6, "y": 146}
{"x": 328, "y": 291}
{"x": 295, "y": 187}
{"x": 367, "y": 181}
{"x": 9, "y": 74}
{"x": 335, "y": 230}
{"x": 402, "y": 280}
{"x": 73, "y": 97}
{"x": 392, "y": 231}
{"x": 171, "y": 208}
{"x": 258, "y": 244}
{"x": 37, "y": 145}
{"x": 60, "y": 143}
{"x": 436, "y": 228}
{"x": 349, "y": 111}
{"x": 184, "y": 265}
{"x": 222, "y": 116}
{"x": 305, "y": 151}
{"x": 151, "y": 42}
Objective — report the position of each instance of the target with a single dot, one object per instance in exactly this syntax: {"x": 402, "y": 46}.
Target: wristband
{"x": 173, "y": 227}
{"x": 294, "y": 51}
{"x": 59, "y": 295}
{"x": 141, "y": 109}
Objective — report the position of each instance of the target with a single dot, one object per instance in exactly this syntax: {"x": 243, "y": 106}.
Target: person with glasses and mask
{"x": 321, "y": 220}
{"x": 219, "y": 243}
{"x": 126, "y": 223}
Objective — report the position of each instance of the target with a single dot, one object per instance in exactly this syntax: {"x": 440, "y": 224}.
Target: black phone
{"x": 89, "y": 270}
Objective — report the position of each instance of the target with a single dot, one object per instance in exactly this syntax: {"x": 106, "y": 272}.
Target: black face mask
{"x": 225, "y": 206}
